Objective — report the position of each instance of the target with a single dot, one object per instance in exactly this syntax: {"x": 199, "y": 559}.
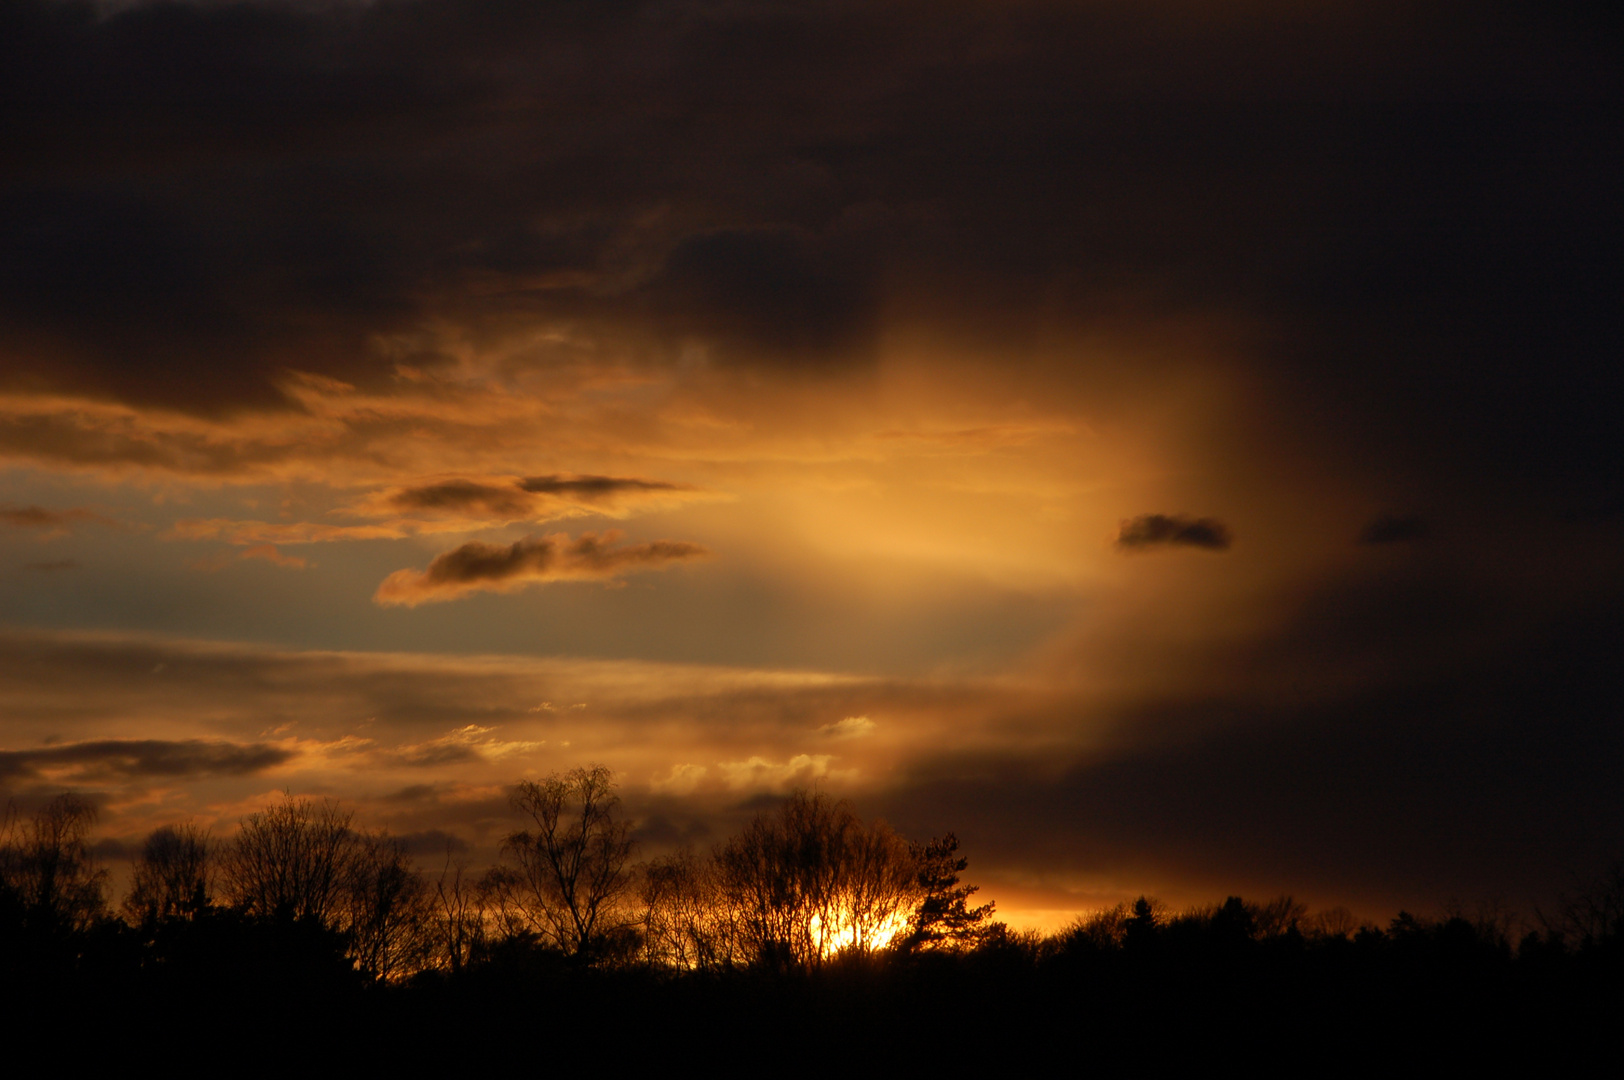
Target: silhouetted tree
{"x": 810, "y": 880}
{"x": 301, "y": 862}
{"x": 1101, "y": 931}
{"x": 571, "y": 875}
{"x": 48, "y": 876}
{"x": 1139, "y": 931}
{"x": 1332, "y": 923}
{"x": 389, "y": 910}
{"x": 292, "y": 861}
{"x": 942, "y": 917}
{"x": 686, "y": 923}
{"x": 174, "y": 875}
{"x": 1590, "y": 915}
{"x": 1277, "y": 918}
{"x": 459, "y": 928}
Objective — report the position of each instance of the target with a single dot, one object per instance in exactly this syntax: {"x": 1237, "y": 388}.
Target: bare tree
{"x": 572, "y": 874}
{"x": 686, "y": 923}
{"x": 1277, "y": 917}
{"x": 301, "y": 861}
{"x": 174, "y": 875}
{"x": 389, "y": 913}
{"x": 1591, "y": 913}
{"x": 1328, "y": 923}
{"x": 292, "y": 861}
{"x": 811, "y": 880}
{"x": 460, "y": 918}
{"x": 47, "y": 870}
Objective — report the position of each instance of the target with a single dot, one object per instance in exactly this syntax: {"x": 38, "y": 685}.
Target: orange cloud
{"x": 269, "y": 553}
{"x": 477, "y": 566}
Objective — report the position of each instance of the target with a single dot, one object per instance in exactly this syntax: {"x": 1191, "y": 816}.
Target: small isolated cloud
{"x": 118, "y": 759}
{"x": 49, "y": 522}
{"x": 1172, "y": 530}
{"x": 852, "y": 727}
{"x": 477, "y": 566}
{"x": 758, "y": 772}
{"x": 1393, "y": 529}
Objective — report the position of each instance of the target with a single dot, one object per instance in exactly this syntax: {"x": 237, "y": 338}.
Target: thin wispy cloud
{"x": 477, "y": 566}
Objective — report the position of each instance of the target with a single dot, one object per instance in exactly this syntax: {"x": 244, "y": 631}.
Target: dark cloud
{"x": 38, "y": 517}
{"x": 1394, "y": 529}
{"x": 768, "y": 294}
{"x": 113, "y": 759}
{"x": 499, "y": 567}
{"x": 595, "y": 488}
{"x": 1489, "y": 773}
{"x": 203, "y": 196}
{"x": 528, "y": 497}
{"x": 463, "y": 496}
{"x": 1165, "y": 530}
{"x": 52, "y": 566}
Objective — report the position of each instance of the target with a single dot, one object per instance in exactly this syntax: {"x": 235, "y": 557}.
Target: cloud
{"x": 260, "y": 533}
{"x": 477, "y": 566}
{"x": 759, "y": 773}
{"x": 269, "y": 553}
{"x": 1164, "y": 530}
{"x": 52, "y": 566}
{"x": 762, "y": 237}
{"x": 464, "y": 496}
{"x": 53, "y": 522}
{"x": 852, "y": 727}
{"x": 112, "y": 759}
{"x": 596, "y": 489}
{"x": 1394, "y": 529}
{"x": 533, "y": 498}
{"x": 467, "y": 744}
{"x": 769, "y": 293}
{"x": 683, "y": 779}
{"x": 210, "y": 564}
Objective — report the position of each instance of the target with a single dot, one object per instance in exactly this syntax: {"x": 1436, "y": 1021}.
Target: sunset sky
{"x": 1176, "y": 445}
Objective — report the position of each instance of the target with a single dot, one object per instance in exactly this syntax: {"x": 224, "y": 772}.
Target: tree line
{"x": 802, "y": 885}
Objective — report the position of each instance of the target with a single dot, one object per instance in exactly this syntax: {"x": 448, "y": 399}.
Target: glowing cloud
{"x": 852, "y": 727}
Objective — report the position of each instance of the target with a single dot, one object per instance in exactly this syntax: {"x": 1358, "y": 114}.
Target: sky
{"x": 1174, "y": 446}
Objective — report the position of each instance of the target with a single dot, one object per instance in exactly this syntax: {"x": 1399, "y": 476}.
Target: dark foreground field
{"x": 224, "y": 994}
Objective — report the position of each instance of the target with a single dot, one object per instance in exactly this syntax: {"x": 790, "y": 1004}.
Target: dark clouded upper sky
{"x": 1174, "y": 445}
